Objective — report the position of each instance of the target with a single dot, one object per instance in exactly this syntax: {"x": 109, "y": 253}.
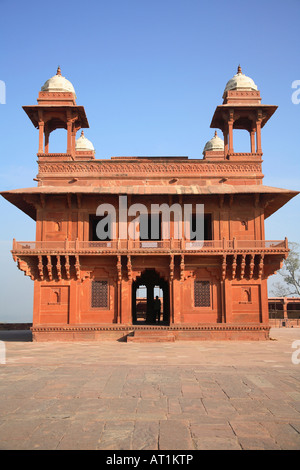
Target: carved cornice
{"x": 114, "y": 168}
{"x": 151, "y": 251}
{"x": 130, "y": 328}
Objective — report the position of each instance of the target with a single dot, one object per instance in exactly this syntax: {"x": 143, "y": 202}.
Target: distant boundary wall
{"x": 15, "y": 326}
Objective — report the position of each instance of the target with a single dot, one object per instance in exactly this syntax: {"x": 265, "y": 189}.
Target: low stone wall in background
{"x": 15, "y": 326}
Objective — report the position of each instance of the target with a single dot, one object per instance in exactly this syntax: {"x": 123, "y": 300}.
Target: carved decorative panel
{"x": 150, "y": 167}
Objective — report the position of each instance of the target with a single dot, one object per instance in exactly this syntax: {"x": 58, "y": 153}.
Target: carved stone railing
{"x": 160, "y": 246}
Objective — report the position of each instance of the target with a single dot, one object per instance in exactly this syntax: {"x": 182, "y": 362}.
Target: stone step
{"x": 151, "y": 336}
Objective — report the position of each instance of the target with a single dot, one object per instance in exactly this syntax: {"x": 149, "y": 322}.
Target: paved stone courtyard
{"x": 150, "y": 396}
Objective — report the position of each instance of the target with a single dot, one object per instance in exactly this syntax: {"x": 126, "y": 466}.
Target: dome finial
{"x": 216, "y": 134}
{"x": 82, "y": 133}
{"x": 58, "y": 71}
{"x": 239, "y": 69}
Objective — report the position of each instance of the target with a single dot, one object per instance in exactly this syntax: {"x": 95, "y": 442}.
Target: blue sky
{"x": 150, "y": 74}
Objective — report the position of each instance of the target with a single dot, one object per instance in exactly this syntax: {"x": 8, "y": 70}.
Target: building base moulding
{"x": 136, "y": 333}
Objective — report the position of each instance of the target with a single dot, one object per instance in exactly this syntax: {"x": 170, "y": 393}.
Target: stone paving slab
{"x": 159, "y": 396}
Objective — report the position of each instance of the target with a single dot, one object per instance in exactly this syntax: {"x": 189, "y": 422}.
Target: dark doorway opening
{"x": 93, "y": 222}
{"x": 207, "y": 226}
{"x": 147, "y": 290}
{"x": 150, "y": 227}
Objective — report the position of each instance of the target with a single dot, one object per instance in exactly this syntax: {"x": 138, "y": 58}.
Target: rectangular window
{"x": 107, "y": 229}
{"x": 202, "y": 294}
{"x": 207, "y": 226}
{"x": 99, "y": 294}
{"x": 150, "y": 227}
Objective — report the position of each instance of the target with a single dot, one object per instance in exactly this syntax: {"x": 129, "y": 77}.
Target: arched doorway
{"x": 145, "y": 289}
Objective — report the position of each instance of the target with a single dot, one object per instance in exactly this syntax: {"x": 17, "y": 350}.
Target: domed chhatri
{"x": 58, "y": 83}
{"x": 82, "y": 143}
{"x": 240, "y": 82}
{"x": 214, "y": 144}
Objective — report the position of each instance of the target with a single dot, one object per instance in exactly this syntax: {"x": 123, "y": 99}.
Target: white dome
{"x": 240, "y": 81}
{"x": 214, "y": 144}
{"x": 58, "y": 83}
{"x": 82, "y": 143}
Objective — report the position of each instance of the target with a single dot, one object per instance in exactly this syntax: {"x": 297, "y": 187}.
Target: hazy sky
{"x": 150, "y": 75}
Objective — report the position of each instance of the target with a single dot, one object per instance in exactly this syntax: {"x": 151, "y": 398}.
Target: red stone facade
{"x": 86, "y": 289}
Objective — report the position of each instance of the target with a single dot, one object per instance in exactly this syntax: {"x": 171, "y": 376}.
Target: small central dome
{"x": 240, "y": 82}
{"x": 58, "y": 83}
{"x": 214, "y": 144}
{"x": 82, "y": 143}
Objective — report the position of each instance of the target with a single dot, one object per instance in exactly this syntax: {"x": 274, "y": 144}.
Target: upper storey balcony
{"x": 63, "y": 259}
{"x": 172, "y": 246}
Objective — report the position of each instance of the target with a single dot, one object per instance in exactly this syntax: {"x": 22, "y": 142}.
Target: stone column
{"x": 225, "y": 134}
{"x": 73, "y": 141}
{"x": 133, "y": 306}
{"x": 69, "y": 137}
{"x": 252, "y": 140}
{"x": 36, "y": 302}
{"x": 41, "y": 137}
{"x": 150, "y": 299}
{"x": 258, "y": 132}
{"x": 285, "y": 314}
{"x": 171, "y": 289}
{"x": 230, "y": 129}
{"x": 223, "y": 306}
{"x": 228, "y": 300}
{"x": 47, "y": 134}
{"x": 119, "y": 289}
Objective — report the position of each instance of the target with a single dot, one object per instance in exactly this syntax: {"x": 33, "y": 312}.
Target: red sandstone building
{"x": 284, "y": 311}
{"x": 86, "y": 288}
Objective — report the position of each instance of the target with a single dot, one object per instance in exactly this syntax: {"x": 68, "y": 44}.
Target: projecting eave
{"x": 272, "y": 198}
{"x": 219, "y": 120}
{"x": 33, "y": 113}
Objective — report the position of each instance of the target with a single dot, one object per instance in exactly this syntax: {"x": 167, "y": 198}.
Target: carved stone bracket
{"x": 171, "y": 267}
{"x": 251, "y": 266}
{"x": 77, "y": 267}
{"x": 119, "y": 268}
{"x": 234, "y": 265}
{"x": 49, "y": 267}
{"x": 243, "y": 266}
{"x": 261, "y": 266}
{"x": 41, "y": 267}
{"x": 67, "y": 267}
{"x": 224, "y": 268}
{"x": 182, "y": 267}
{"x": 129, "y": 268}
{"x": 58, "y": 267}
{"x": 27, "y": 266}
